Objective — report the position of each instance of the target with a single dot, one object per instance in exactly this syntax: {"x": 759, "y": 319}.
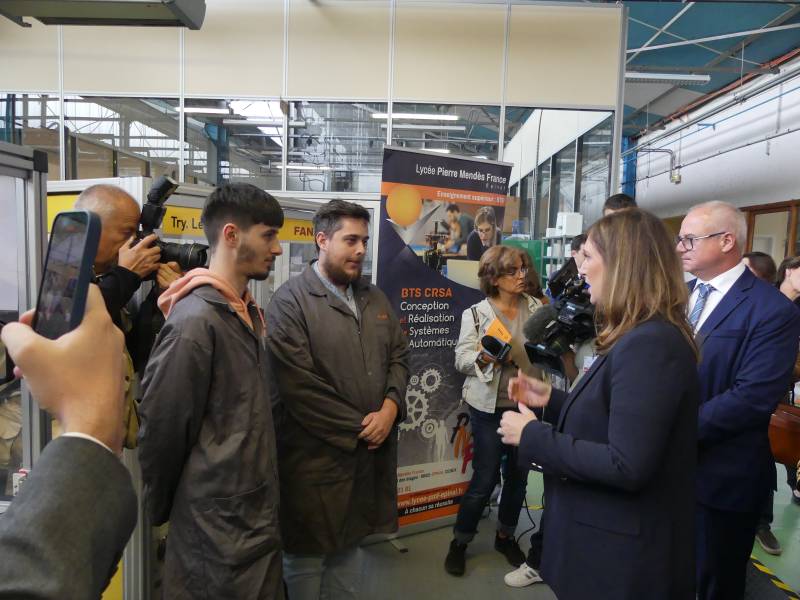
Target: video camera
{"x": 555, "y": 327}
{"x": 189, "y": 255}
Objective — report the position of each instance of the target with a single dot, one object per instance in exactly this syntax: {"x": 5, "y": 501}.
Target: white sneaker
{"x": 522, "y": 576}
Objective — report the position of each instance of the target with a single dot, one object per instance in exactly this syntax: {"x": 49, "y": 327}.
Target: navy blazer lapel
{"x": 731, "y": 300}
{"x": 578, "y": 388}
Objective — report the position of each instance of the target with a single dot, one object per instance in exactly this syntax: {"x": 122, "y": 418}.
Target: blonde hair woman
{"x": 619, "y": 452}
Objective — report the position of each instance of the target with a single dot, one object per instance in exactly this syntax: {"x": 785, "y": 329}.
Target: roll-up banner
{"x": 430, "y": 283}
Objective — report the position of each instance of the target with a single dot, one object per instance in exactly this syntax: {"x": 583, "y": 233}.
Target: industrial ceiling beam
{"x": 658, "y": 32}
{"x": 701, "y": 69}
{"x": 713, "y": 38}
{"x": 721, "y": 56}
{"x": 680, "y": 37}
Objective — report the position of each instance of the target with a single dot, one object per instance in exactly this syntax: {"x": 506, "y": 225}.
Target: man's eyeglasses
{"x": 514, "y": 272}
{"x": 687, "y": 241}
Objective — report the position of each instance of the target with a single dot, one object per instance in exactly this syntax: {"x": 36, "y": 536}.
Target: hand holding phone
{"x": 67, "y": 273}
{"x": 78, "y": 378}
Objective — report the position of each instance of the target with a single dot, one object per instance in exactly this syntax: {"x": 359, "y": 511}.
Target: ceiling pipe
{"x": 708, "y": 98}
{"x": 674, "y": 173}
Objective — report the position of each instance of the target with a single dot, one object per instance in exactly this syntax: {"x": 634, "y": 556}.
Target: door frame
{"x": 793, "y": 207}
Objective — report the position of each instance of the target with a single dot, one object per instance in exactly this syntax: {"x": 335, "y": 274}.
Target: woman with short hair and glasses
{"x": 507, "y": 278}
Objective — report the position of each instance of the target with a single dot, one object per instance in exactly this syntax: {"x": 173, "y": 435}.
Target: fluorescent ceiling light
{"x": 261, "y": 122}
{"x": 204, "y": 110}
{"x": 439, "y": 150}
{"x": 427, "y": 127}
{"x": 253, "y": 122}
{"x": 257, "y": 109}
{"x": 274, "y": 133}
{"x": 417, "y": 116}
{"x": 295, "y": 167}
{"x": 674, "y": 78}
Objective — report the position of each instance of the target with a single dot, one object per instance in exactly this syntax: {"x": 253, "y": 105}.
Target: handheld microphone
{"x": 537, "y": 325}
{"x": 543, "y": 348}
{"x": 495, "y": 348}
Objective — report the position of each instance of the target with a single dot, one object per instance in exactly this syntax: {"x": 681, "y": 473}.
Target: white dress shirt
{"x": 722, "y": 284}
{"x": 86, "y": 436}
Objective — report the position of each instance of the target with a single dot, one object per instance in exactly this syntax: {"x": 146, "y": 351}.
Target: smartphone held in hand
{"x": 68, "y": 271}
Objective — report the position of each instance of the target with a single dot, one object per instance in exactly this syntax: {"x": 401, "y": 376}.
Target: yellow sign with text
{"x": 297, "y": 230}
{"x": 57, "y": 203}
{"x": 182, "y": 220}
{"x": 185, "y": 221}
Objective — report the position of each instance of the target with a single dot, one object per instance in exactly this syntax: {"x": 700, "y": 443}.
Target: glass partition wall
{"x": 561, "y": 158}
{"x": 562, "y": 163}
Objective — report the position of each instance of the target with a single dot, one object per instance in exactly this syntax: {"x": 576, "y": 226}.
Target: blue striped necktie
{"x": 703, "y": 290}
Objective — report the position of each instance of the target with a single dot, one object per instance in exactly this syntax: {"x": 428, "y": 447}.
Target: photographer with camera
{"x": 125, "y": 258}
{"x": 120, "y": 265}
{"x": 122, "y": 261}
{"x": 129, "y": 251}
{"x": 482, "y": 353}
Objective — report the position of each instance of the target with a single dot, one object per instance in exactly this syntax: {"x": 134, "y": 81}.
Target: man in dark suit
{"x": 747, "y": 333}
{"x": 64, "y": 533}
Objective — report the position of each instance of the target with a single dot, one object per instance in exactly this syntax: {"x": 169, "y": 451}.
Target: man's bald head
{"x": 107, "y": 201}
{"x": 720, "y": 230}
{"x": 725, "y": 217}
{"x": 119, "y": 214}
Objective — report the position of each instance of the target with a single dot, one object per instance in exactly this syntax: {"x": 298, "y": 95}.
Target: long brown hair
{"x": 643, "y": 277}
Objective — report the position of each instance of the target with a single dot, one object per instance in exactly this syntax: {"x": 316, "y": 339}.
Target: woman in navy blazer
{"x": 619, "y": 452}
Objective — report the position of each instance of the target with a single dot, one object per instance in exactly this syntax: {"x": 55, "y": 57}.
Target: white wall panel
{"x": 338, "y": 49}
{"x": 141, "y": 61}
{"x": 238, "y": 51}
{"x": 563, "y": 56}
{"x": 28, "y": 57}
{"x": 444, "y": 52}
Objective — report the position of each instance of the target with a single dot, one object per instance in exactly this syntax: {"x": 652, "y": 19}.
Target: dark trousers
{"x": 534, "y": 559}
{"x": 724, "y": 543}
{"x": 488, "y": 451}
{"x": 765, "y": 520}
{"x": 766, "y": 516}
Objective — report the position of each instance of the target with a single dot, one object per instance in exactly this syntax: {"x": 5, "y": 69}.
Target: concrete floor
{"x": 786, "y": 527}
{"x": 419, "y": 573}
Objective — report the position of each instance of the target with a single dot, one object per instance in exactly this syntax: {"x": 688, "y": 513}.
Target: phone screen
{"x": 67, "y": 273}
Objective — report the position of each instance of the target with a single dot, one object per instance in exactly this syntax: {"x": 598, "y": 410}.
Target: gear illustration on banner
{"x": 417, "y": 409}
{"x": 414, "y": 380}
{"x": 429, "y": 428}
{"x": 430, "y": 380}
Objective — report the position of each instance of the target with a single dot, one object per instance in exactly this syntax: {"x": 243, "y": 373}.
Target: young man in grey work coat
{"x": 206, "y": 442}
{"x": 340, "y": 361}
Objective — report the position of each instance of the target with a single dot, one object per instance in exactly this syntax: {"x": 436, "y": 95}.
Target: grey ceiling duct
{"x": 148, "y": 13}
